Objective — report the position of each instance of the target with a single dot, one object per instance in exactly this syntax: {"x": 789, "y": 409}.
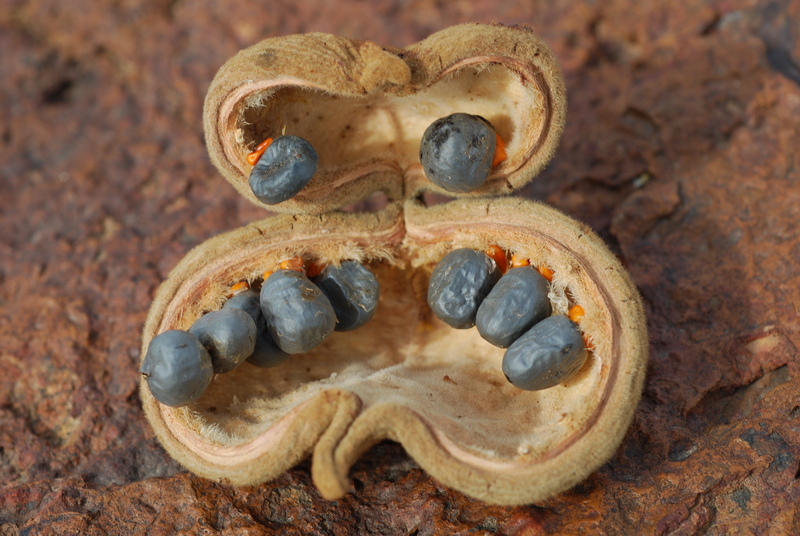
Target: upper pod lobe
{"x": 456, "y": 152}
{"x": 458, "y": 285}
{"x": 283, "y": 170}
{"x": 298, "y": 315}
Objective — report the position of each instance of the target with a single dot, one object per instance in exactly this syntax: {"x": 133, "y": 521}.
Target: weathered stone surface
{"x": 680, "y": 148}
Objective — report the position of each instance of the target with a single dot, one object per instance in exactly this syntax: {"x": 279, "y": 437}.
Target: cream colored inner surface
{"x": 347, "y": 131}
{"x": 451, "y": 378}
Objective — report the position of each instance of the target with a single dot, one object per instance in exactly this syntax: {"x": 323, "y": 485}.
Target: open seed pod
{"x": 365, "y": 107}
{"x": 405, "y": 375}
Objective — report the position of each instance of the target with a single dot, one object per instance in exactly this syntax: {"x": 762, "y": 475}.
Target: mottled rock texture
{"x": 681, "y": 149}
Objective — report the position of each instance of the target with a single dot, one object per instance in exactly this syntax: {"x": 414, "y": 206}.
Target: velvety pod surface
{"x": 403, "y": 374}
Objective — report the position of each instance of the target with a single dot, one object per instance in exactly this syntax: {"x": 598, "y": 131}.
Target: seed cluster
{"x": 299, "y": 306}
{"x": 457, "y": 153}
{"x": 512, "y": 311}
{"x": 290, "y": 315}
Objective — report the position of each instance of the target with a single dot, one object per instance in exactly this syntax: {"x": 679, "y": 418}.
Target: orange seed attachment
{"x": 499, "y": 257}
{"x": 235, "y": 289}
{"x": 499, "y": 152}
{"x": 295, "y": 263}
{"x": 253, "y": 157}
{"x": 314, "y": 269}
{"x": 517, "y": 261}
{"x": 546, "y": 272}
{"x": 576, "y": 313}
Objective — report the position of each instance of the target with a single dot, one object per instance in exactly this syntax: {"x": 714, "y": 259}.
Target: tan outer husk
{"x": 365, "y": 107}
{"x": 406, "y": 376}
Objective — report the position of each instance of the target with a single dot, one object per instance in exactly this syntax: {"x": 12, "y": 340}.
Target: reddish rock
{"x": 680, "y": 149}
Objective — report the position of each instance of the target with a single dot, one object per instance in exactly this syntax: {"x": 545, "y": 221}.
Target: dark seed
{"x": 458, "y": 285}
{"x": 353, "y": 292}
{"x": 549, "y": 353}
{"x": 298, "y": 315}
{"x": 517, "y": 302}
{"x": 229, "y": 335}
{"x": 283, "y": 170}
{"x": 177, "y": 368}
{"x": 457, "y": 152}
{"x": 266, "y": 353}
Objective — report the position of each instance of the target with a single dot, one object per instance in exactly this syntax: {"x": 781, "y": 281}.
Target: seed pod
{"x": 229, "y": 336}
{"x": 515, "y": 304}
{"x": 299, "y": 316}
{"x": 401, "y": 376}
{"x": 458, "y": 285}
{"x": 177, "y": 368}
{"x": 353, "y": 293}
{"x": 266, "y": 353}
{"x": 546, "y": 355}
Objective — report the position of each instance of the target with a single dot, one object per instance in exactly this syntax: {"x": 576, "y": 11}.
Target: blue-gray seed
{"x": 229, "y": 335}
{"x": 353, "y": 292}
{"x": 266, "y": 353}
{"x": 177, "y": 368}
{"x": 456, "y": 152}
{"x": 458, "y": 285}
{"x": 299, "y": 316}
{"x": 517, "y": 302}
{"x": 546, "y": 355}
{"x": 283, "y": 170}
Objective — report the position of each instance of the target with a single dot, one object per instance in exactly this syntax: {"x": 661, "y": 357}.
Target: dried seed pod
{"x": 337, "y": 94}
{"x": 385, "y": 380}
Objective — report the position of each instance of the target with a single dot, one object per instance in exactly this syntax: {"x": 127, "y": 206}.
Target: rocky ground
{"x": 681, "y": 149}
